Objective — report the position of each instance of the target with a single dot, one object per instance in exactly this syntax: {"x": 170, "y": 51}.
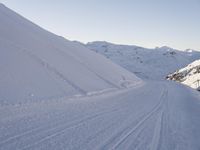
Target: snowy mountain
{"x": 146, "y": 63}
{"x": 54, "y": 96}
{"x": 189, "y": 75}
{"x": 46, "y": 66}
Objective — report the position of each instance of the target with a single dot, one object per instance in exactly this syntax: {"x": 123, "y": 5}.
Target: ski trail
{"x": 157, "y": 132}
{"x": 61, "y": 131}
{"x": 131, "y": 121}
{"x": 158, "y": 127}
{"x": 39, "y": 130}
{"x": 141, "y": 122}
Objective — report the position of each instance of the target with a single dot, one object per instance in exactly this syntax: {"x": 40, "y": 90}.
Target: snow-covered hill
{"x": 36, "y": 64}
{"x": 146, "y": 63}
{"x": 189, "y": 75}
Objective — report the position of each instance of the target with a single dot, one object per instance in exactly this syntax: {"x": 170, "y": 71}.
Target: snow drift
{"x": 36, "y": 64}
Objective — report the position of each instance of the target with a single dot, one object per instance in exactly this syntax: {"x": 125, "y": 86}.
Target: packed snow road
{"x": 154, "y": 116}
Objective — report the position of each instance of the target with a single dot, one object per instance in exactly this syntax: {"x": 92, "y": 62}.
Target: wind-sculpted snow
{"x": 36, "y": 65}
{"x": 153, "y": 64}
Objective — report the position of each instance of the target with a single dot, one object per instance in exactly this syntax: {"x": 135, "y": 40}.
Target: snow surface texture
{"x": 155, "y": 116}
{"x": 38, "y": 68}
{"x": 36, "y": 64}
{"x": 189, "y": 75}
{"x": 146, "y": 63}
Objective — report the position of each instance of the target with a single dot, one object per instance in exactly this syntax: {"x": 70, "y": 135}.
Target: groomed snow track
{"x": 154, "y": 116}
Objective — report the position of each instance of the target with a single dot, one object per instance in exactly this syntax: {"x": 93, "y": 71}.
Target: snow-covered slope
{"x": 189, "y": 75}
{"x": 36, "y": 64}
{"x": 146, "y": 63}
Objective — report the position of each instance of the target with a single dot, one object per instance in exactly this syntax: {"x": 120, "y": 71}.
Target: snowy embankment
{"x": 151, "y": 64}
{"x": 37, "y": 65}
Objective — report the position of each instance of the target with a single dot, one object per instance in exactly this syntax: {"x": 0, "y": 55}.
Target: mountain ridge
{"x": 150, "y": 64}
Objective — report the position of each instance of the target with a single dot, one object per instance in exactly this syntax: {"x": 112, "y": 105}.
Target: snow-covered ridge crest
{"x": 189, "y": 75}
{"x": 151, "y": 64}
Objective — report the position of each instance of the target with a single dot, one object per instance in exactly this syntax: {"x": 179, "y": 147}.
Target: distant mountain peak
{"x": 189, "y": 50}
{"x": 166, "y": 48}
{"x": 147, "y": 63}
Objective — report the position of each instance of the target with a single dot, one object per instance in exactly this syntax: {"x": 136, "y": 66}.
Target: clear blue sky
{"x": 147, "y": 23}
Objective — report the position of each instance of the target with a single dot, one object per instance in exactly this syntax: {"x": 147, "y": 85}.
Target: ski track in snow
{"x": 62, "y": 126}
{"x": 126, "y": 120}
{"x": 144, "y": 120}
